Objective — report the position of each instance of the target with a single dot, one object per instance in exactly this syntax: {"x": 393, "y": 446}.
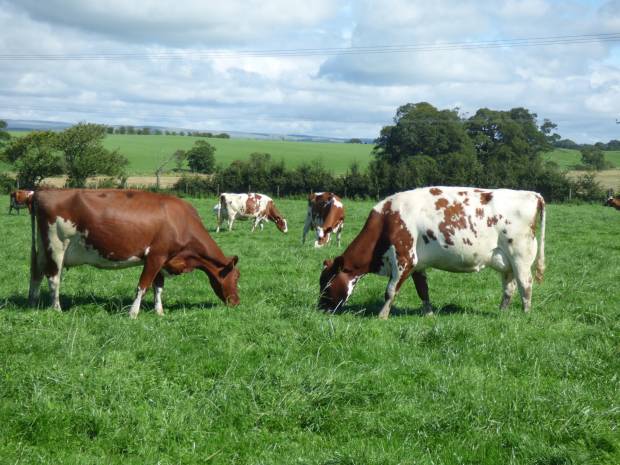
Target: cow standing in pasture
{"x": 326, "y": 216}
{"x": 456, "y": 229}
{"x": 613, "y": 202}
{"x": 257, "y": 207}
{"x": 114, "y": 229}
{"x": 20, "y": 199}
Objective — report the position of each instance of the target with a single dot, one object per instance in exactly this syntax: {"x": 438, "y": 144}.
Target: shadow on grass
{"x": 373, "y": 310}
{"x": 113, "y": 306}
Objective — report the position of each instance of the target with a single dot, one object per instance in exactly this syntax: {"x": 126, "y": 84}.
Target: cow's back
{"x": 459, "y": 228}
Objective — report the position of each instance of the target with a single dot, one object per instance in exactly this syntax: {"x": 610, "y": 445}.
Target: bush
{"x": 7, "y": 183}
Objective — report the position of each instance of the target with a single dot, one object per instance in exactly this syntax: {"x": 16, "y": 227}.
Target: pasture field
{"x": 568, "y": 158}
{"x": 146, "y": 153}
{"x": 275, "y": 381}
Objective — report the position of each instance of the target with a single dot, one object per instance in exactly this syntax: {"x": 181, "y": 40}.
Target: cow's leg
{"x": 158, "y": 288}
{"x": 151, "y": 268}
{"x": 339, "y": 234}
{"x": 307, "y": 225}
{"x": 262, "y": 223}
{"x": 231, "y": 221}
{"x": 522, "y": 259}
{"x": 37, "y": 266}
{"x": 509, "y": 285}
{"x": 256, "y": 223}
{"x": 398, "y": 274}
{"x": 421, "y": 287}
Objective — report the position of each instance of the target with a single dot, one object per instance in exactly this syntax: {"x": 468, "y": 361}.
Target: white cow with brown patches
{"x": 257, "y": 207}
{"x": 458, "y": 229}
{"x": 326, "y": 216}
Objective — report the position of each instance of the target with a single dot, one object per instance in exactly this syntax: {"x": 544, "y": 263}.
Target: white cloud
{"x": 577, "y": 86}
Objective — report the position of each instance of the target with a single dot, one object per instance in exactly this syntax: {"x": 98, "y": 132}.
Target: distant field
{"x": 147, "y": 152}
{"x": 568, "y": 158}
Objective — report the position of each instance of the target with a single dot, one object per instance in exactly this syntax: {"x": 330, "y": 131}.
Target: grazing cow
{"x": 20, "y": 199}
{"x": 121, "y": 228}
{"x": 259, "y": 207}
{"x": 325, "y": 215}
{"x": 457, "y": 229}
{"x": 613, "y": 202}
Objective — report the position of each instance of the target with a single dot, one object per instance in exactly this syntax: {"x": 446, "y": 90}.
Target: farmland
{"x": 276, "y": 381}
{"x": 146, "y": 153}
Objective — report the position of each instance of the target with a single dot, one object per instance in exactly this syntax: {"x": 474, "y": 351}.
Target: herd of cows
{"x": 457, "y": 229}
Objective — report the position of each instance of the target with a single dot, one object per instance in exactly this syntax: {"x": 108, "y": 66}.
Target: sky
{"x": 287, "y": 67}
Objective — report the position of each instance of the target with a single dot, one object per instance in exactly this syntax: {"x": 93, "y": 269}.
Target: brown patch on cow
{"x": 400, "y": 237}
{"x": 507, "y": 221}
{"x": 478, "y": 190}
{"x": 425, "y": 238}
{"x": 130, "y": 195}
{"x": 453, "y": 219}
{"x": 435, "y": 191}
{"x": 486, "y": 197}
{"x": 480, "y": 213}
{"x": 504, "y": 231}
{"x": 103, "y": 195}
{"x": 500, "y": 216}
{"x": 466, "y": 241}
{"x": 431, "y": 234}
{"x": 466, "y": 201}
{"x": 462, "y": 192}
{"x": 252, "y": 204}
{"x": 471, "y": 226}
{"x": 492, "y": 221}
{"x": 441, "y": 203}
{"x": 510, "y": 241}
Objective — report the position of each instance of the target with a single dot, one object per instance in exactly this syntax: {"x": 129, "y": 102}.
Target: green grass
{"x": 274, "y": 381}
{"x": 148, "y": 152}
{"x": 568, "y": 158}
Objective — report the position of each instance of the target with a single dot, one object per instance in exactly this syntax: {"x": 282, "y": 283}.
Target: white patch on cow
{"x": 146, "y": 251}
{"x": 319, "y": 232}
{"x": 159, "y": 308}
{"x": 337, "y": 203}
{"x": 318, "y": 193}
{"x": 285, "y": 226}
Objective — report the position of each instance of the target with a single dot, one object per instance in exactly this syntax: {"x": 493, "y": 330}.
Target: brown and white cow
{"x": 613, "y": 202}
{"x": 20, "y": 199}
{"x": 325, "y": 215}
{"x": 456, "y": 229}
{"x": 121, "y": 228}
{"x": 258, "y": 207}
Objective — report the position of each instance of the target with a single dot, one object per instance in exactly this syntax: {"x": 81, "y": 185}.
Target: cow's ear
{"x": 229, "y": 266}
{"x": 327, "y": 263}
{"x": 311, "y": 196}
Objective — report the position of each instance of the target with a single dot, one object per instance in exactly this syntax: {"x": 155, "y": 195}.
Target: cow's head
{"x": 224, "y": 282}
{"x": 336, "y": 284}
{"x": 322, "y": 236}
{"x": 281, "y": 224}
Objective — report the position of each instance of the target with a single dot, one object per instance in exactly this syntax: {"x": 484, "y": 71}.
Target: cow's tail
{"x": 34, "y": 262}
{"x": 219, "y": 211}
{"x": 540, "y": 260}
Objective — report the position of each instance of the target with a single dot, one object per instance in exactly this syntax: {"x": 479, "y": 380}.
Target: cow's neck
{"x": 364, "y": 254}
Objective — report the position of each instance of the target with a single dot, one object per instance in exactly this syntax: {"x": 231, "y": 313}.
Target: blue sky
{"x": 343, "y": 95}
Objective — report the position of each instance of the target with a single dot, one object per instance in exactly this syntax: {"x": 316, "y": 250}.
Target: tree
{"x": 34, "y": 157}
{"x": 546, "y": 128}
{"x": 409, "y": 153}
{"x": 4, "y": 135}
{"x": 508, "y": 145}
{"x": 201, "y": 157}
{"x": 179, "y": 158}
{"x": 593, "y": 158}
{"x": 85, "y": 156}
{"x": 354, "y": 140}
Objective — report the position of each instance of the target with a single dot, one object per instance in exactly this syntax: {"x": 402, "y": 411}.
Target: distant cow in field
{"x": 258, "y": 207}
{"x": 20, "y": 199}
{"x": 325, "y": 215}
{"x": 456, "y": 229}
{"x": 613, "y": 202}
{"x": 114, "y": 229}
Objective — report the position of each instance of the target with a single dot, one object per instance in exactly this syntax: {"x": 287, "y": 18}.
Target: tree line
{"x": 424, "y": 146}
{"x": 147, "y": 131}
